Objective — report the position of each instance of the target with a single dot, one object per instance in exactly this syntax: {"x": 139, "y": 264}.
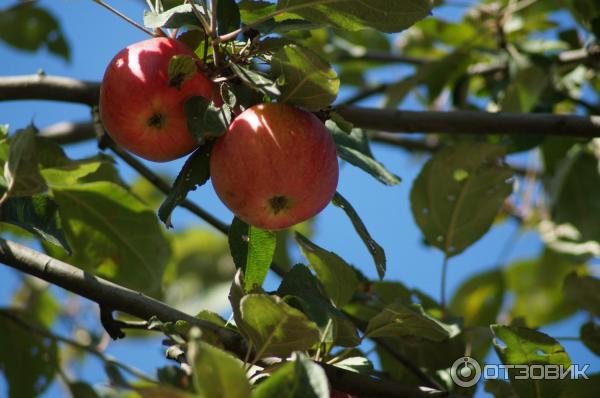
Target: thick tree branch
{"x": 71, "y": 133}
{"x": 458, "y": 122}
{"x": 467, "y": 122}
{"x": 588, "y": 56}
{"x": 53, "y": 88}
{"x": 101, "y": 291}
{"x": 134, "y": 303}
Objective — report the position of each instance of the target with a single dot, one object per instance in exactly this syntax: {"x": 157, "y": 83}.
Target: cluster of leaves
{"x": 325, "y": 309}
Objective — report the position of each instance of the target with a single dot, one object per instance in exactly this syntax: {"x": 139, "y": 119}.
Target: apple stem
{"x": 126, "y": 18}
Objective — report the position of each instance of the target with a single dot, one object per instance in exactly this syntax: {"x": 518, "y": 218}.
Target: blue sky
{"x": 96, "y": 35}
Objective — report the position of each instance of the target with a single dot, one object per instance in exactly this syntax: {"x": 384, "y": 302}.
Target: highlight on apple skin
{"x": 275, "y": 167}
{"x": 140, "y": 107}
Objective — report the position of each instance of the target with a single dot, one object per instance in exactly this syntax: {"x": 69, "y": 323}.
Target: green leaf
{"x": 537, "y": 288}
{"x": 374, "y": 248}
{"x": 479, "y": 299}
{"x": 301, "y": 378}
{"x": 500, "y": 389}
{"x": 228, "y": 16}
{"x": 336, "y": 276}
{"x": 354, "y": 148}
{"x": 261, "y": 247}
{"x": 173, "y": 18}
{"x": 204, "y": 118}
{"x": 58, "y": 169}
{"x": 301, "y": 289}
{"x": 215, "y": 373}
{"x": 458, "y": 193}
{"x": 524, "y": 346}
{"x": 256, "y": 80}
{"x": 287, "y": 25}
{"x": 382, "y": 15}
{"x": 252, "y": 250}
{"x": 181, "y": 68}
{"x": 582, "y": 388}
{"x": 194, "y": 173}
{"x": 576, "y": 203}
{"x": 159, "y": 391}
{"x": 27, "y": 361}
{"x": 590, "y": 336}
{"x": 525, "y": 89}
{"x": 308, "y": 81}
{"x": 113, "y": 233}
{"x": 584, "y": 291}
{"x": 399, "y": 320}
{"x": 80, "y": 389}
{"x": 21, "y": 170}
{"x": 37, "y": 214}
{"x": 274, "y": 327}
{"x": 30, "y": 28}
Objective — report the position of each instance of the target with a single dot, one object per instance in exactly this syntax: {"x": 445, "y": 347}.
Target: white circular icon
{"x": 465, "y": 372}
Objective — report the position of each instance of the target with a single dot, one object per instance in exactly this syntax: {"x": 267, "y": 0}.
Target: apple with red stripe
{"x": 141, "y": 106}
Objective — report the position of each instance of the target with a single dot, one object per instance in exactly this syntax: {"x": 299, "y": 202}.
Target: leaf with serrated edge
{"x": 215, "y": 373}
{"x": 309, "y": 81}
{"x": 114, "y": 233}
{"x": 274, "y": 327}
{"x": 522, "y": 346}
{"x": 399, "y": 320}
{"x": 458, "y": 193}
{"x": 37, "y": 214}
{"x": 256, "y": 80}
{"x": 301, "y": 378}
{"x": 336, "y": 276}
{"x": 173, "y": 18}
{"x": 384, "y": 15}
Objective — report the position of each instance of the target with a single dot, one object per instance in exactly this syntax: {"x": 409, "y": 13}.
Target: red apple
{"x": 141, "y": 109}
{"x": 275, "y": 167}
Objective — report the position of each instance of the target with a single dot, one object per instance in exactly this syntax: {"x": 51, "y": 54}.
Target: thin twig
{"x": 126, "y": 18}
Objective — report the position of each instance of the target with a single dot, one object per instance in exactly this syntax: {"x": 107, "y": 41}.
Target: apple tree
{"x": 266, "y": 97}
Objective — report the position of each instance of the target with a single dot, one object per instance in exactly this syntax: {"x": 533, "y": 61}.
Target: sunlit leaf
{"x": 308, "y": 81}
{"x": 356, "y": 14}
{"x": 301, "y": 378}
{"x": 479, "y": 299}
{"x": 522, "y": 346}
{"x": 252, "y": 250}
{"x": 216, "y": 374}
{"x": 274, "y": 327}
{"x": 114, "y": 234}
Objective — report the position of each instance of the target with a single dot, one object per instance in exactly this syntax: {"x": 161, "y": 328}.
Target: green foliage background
{"x": 502, "y": 56}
